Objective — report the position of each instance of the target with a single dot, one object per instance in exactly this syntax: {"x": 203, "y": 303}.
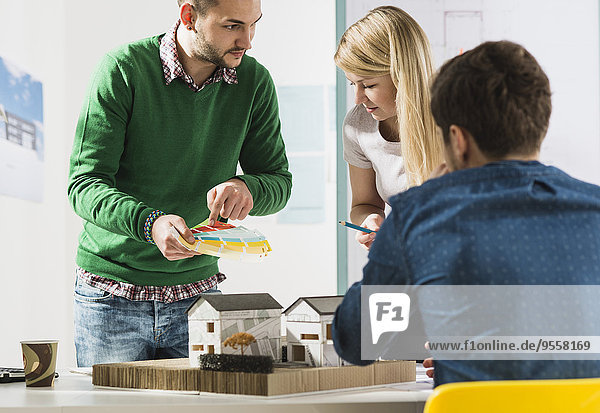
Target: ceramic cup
{"x": 39, "y": 359}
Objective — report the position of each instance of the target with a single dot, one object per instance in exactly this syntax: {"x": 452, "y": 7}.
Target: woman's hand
{"x": 372, "y": 222}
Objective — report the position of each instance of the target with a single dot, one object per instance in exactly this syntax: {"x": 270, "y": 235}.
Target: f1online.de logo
{"x": 388, "y": 312}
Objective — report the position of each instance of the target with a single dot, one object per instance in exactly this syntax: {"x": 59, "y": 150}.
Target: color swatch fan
{"x": 228, "y": 241}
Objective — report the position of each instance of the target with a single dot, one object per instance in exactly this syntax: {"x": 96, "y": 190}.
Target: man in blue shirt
{"x": 495, "y": 216}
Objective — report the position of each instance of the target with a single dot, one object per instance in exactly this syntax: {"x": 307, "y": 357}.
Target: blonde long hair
{"x": 389, "y": 41}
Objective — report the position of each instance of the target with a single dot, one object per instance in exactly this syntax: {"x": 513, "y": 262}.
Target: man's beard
{"x": 207, "y": 52}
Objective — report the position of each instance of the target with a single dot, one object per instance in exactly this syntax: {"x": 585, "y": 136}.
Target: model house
{"x": 308, "y": 325}
{"x": 215, "y": 317}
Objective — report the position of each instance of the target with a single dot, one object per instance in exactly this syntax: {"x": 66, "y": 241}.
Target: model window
{"x": 197, "y": 347}
{"x": 211, "y": 349}
{"x": 210, "y": 327}
{"x": 309, "y": 336}
{"x": 329, "y": 337}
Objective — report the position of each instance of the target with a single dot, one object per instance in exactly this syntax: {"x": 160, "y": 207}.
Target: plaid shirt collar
{"x": 173, "y": 69}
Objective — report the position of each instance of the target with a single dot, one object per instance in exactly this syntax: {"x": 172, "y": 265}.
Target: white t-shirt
{"x": 365, "y": 148}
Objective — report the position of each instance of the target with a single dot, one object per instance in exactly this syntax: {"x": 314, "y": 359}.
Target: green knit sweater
{"x": 142, "y": 145}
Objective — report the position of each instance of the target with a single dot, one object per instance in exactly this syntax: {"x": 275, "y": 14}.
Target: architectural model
{"x": 215, "y": 317}
{"x": 308, "y": 331}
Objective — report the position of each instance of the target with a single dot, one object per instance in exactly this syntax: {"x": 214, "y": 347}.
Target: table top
{"x": 75, "y": 392}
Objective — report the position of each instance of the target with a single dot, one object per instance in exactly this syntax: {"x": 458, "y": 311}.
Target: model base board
{"x": 176, "y": 374}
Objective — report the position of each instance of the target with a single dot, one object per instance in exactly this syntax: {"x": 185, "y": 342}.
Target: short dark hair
{"x": 201, "y": 6}
{"x": 497, "y": 92}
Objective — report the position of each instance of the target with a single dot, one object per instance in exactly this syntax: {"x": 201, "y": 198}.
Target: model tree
{"x": 239, "y": 339}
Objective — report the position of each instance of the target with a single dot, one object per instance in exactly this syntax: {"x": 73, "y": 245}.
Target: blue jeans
{"x": 110, "y": 329}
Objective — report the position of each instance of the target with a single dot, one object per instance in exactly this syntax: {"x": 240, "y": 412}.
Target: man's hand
{"x": 428, "y": 364}
{"x": 231, "y": 199}
{"x": 372, "y": 222}
{"x": 165, "y": 231}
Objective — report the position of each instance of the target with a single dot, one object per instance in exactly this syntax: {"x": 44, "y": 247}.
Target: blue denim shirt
{"x": 506, "y": 223}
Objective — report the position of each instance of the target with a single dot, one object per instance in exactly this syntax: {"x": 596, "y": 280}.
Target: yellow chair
{"x": 516, "y": 396}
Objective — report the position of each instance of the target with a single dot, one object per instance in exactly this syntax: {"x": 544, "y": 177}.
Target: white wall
{"x": 34, "y": 293}
{"x": 59, "y": 42}
{"x": 562, "y": 35}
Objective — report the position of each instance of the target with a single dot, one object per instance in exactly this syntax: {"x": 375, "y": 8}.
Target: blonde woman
{"x": 390, "y": 138}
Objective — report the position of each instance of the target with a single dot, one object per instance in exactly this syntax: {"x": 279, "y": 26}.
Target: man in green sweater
{"x": 162, "y": 129}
